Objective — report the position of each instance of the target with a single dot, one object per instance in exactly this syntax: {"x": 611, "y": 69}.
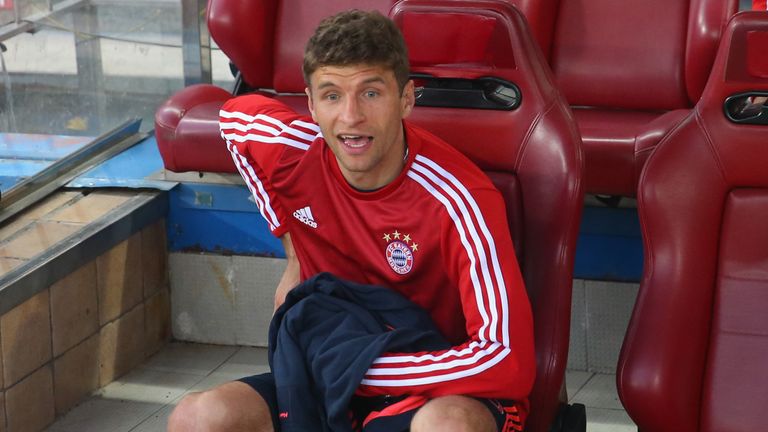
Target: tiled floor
{"x": 598, "y": 393}
{"x": 142, "y": 400}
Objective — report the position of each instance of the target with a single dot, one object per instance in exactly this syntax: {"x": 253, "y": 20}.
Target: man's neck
{"x": 364, "y": 183}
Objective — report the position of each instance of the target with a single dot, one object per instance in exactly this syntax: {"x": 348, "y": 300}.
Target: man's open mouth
{"x": 355, "y": 141}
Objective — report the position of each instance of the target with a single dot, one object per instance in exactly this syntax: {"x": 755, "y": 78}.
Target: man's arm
{"x": 292, "y": 273}
{"x": 263, "y": 137}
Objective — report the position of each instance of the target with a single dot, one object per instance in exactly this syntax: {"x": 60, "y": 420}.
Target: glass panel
{"x": 31, "y": 7}
{"x": 6, "y": 12}
{"x": 81, "y": 73}
{"x": 41, "y": 77}
{"x": 222, "y": 74}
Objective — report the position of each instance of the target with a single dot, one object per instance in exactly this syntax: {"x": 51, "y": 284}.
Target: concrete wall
{"x": 228, "y": 300}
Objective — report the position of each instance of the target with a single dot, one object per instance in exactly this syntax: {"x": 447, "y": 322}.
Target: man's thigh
{"x": 230, "y": 407}
{"x": 264, "y": 385}
{"x": 462, "y": 413}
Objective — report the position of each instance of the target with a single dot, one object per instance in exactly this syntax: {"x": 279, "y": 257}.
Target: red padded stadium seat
{"x": 695, "y": 354}
{"x": 532, "y": 152}
{"x": 630, "y": 70}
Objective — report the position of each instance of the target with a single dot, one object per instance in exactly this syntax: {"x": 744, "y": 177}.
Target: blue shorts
{"x": 505, "y": 412}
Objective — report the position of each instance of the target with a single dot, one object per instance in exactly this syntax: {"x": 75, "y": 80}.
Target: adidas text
{"x": 305, "y": 216}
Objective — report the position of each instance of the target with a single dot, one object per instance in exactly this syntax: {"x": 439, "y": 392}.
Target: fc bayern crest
{"x": 400, "y": 250}
{"x": 400, "y": 257}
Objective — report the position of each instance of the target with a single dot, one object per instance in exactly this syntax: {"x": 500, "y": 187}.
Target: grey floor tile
{"x": 609, "y": 307}
{"x": 191, "y": 358}
{"x": 247, "y": 361}
{"x": 577, "y": 348}
{"x": 99, "y": 415}
{"x": 609, "y": 420}
{"x": 214, "y": 380}
{"x": 157, "y": 422}
{"x": 599, "y": 392}
{"x": 574, "y": 381}
{"x": 148, "y": 385}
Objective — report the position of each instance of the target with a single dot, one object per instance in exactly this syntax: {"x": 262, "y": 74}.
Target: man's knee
{"x": 184, "y": 416}
{"x": 230, "y": 407}
{"x": 454, "y": 414}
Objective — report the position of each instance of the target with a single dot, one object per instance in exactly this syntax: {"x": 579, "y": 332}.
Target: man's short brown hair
{"x": 357, "y": 37}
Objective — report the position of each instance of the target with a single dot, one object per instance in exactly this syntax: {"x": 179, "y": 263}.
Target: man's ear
{"x": 408, "y": 99}
{"x": 310, "y": 103}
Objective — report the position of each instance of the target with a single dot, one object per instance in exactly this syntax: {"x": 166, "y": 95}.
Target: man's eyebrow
{"x": 375, "y": 79}
{"x": 325, "y": 84}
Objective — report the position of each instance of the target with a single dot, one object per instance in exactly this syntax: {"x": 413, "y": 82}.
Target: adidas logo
{"x": 305, "y": 215}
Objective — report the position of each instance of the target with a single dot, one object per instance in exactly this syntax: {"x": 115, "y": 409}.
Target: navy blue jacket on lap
{"x": 325, "y": 336}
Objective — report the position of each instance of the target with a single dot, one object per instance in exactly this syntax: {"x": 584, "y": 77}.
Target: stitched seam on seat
{"x": 529, "y": 133}
{"x": 708, "y": 137}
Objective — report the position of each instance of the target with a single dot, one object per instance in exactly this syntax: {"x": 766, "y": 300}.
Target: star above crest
{"x": 389, "y": 237}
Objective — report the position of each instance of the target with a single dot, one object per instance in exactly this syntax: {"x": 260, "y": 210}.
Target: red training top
{"x": 437, "y": 234}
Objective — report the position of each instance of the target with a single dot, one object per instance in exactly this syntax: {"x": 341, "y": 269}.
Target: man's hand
{"x": 291, "y": 275}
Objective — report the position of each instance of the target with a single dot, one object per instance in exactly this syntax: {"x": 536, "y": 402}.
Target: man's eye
{"x": 371, "y": 93}
{"x": 332, "y": 97}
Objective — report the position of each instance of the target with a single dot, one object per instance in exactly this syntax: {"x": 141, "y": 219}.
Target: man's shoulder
{"x": 254, "y": 103}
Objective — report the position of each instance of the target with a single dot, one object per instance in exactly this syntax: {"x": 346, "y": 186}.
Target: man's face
{"x": 360, "y": 109}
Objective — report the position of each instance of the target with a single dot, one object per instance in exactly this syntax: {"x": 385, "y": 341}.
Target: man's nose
{"x": 352, "y": 112}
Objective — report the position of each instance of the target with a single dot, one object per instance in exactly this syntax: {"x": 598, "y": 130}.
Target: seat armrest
{"x": 187, "y": 130}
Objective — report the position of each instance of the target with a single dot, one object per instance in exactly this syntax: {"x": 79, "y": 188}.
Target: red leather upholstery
{"x": 622, "y": 65}
{"x": 245, "y": 31}
{"x": 187, "y": 130}
{"x": 695, "y": 354}
{"x": 542, "y": 17}
{"x": 532, "y": 153}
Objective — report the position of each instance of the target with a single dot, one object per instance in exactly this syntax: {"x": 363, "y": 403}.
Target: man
{"x": 358, "y": 192}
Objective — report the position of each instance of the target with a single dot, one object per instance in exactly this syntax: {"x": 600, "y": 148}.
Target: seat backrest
{"x": 265, "y": 39}
{"x": 628, "y": 63}
{"x": 630, "y": 70}
{"x": 604, "y": 53}
{"x": 696, "y": 348}
{"x": 641, "y": 55}
{"x": 532, "y": 153}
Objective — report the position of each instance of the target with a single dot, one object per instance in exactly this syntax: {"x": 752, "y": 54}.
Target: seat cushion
{"x": 735, "y": 382}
